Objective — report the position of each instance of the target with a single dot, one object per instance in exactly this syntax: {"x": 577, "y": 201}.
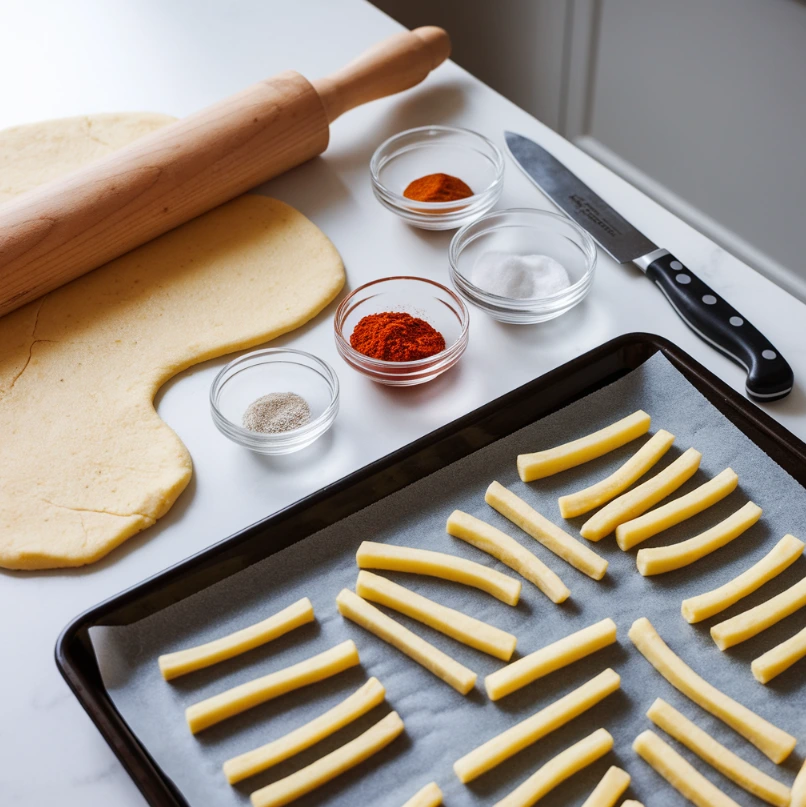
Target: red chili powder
{"x": 394, "y": 336}
{"x": 437, "y": 188}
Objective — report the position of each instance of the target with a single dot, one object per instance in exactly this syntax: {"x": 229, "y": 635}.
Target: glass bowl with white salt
{"x": 521, "y": 265}
{"x": 275, "y": 401}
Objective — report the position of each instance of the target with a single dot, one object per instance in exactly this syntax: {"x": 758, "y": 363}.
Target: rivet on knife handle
{"x": 769, "y": 376}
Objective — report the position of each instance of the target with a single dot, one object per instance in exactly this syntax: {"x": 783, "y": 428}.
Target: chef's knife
{"x": 713, "y": 319}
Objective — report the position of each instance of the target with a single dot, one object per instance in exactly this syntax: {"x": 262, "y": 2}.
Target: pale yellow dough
{"x": 630, "y": 803}
{"x": 546, "y": 532}
{"x": 491, "y": 540}
{"x": 575, "y": 504}
{"x": 558, "y": 769}
{"x": 85, "y": 461}
{"x": 552, "y": 657}
{"x": 352, "y": 607}
{"x": 610, "y": 787}
{"x": 459, "y": 626}
{"x": 750, "y": 623}
{"x": 529, "y": 731}
{"x": 770, "y": 740}
{"x": 667, "y": 515}
{"x": 638, "y": 500}
{"x": 318, "y": 773}
{"x": 780, "y": 557}
{"x": 233, "y": 701}
{"x": 36, "y": 153}
{"x": 172, "y": 665}
{"x": 799, "y": 789}
{"x": 662, "y": 559}
{"x": 724, "y": 760}
{"x": 391, "y": 558}
{"x": 682, "y": 776}
{"x": 293, "y": 743}
{"x": 779, "y": 658}
{"x": 553, "y": 460}
{"x": 429, "y": 796}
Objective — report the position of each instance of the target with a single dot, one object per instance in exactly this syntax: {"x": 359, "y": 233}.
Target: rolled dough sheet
{"x": 85, "y": 461}
{"x": 35, "y": 153}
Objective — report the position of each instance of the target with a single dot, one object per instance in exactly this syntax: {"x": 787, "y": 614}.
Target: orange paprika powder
{"x": 437, "y": 188}
{"x": 393, "y": 336}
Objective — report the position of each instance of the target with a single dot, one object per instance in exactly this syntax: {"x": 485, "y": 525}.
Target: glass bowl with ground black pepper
{"x": 402, "y": 331}
{"x": 275, "y": 401}
{"x": 437, "y": 177}
{"x": 522, "y": 266}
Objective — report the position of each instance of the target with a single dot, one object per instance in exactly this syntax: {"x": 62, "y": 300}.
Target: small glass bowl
{"x": 261, "y": 372}
{"x": 524, "y": 231}
{"x": 437, "y": 150}
{"x": 431, "y": 301}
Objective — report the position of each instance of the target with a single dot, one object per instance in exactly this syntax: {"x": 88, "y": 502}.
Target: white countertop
{"x": 86, "y": 56}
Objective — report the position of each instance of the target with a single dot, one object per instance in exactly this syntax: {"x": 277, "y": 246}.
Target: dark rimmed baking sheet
{"x": 441, "y": 724}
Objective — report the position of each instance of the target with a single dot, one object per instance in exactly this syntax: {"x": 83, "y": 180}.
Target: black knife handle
{"x": 769, "y": 376}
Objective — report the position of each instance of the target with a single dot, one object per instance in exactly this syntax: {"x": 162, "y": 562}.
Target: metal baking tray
{"x": 75, "y": 657}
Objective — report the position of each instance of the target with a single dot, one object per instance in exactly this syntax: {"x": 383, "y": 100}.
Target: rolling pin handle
{"x": 391, "y": 66}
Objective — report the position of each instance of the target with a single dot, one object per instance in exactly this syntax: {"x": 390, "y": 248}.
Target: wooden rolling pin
{"x": 65, "y": 228}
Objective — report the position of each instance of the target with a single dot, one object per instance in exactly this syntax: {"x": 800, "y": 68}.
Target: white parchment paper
{"x": 441, "y": 725}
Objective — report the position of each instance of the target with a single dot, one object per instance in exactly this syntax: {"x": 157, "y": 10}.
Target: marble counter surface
{"x": 87, "y": 56}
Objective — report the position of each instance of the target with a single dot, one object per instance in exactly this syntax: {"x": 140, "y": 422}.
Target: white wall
{"x": 701, "y": 103}
{"x": 496, "y": 41}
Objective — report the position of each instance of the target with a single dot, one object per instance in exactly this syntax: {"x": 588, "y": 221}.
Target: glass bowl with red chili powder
{"x": 402, "y": 331}
{"x": 437, "y": 177}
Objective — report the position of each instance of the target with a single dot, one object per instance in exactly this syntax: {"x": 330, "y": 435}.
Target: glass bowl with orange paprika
{"x": 437, "y": 177}
{"x": 402, "y": 331}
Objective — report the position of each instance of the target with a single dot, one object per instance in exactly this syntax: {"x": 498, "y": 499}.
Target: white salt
{"x": 519, "y": 276}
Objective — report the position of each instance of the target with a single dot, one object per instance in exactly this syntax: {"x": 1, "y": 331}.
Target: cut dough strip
{"x": 550, "y": 658}
{"x": 780, "y": 557}
{"x": 557, "y": 770}
{"x": 541, "y": 529}
{"x": 682, "y": 776}
{"x": 352, "y": 607}
{"x": 610, "y": 787}
{"x": 459, "y": 626}
{"x": 632, "y": 504}
{"x": 553, "y": 460}
{"x": 265, "y": 757}
{"x": 329, "y": 767}
{"x": 391, "y": 558}
{"x": 750, "y": 623}
{"x": 799, "y": 789}
{"x": 238, "y": 699}
{"x": 779, "y": 658}
{"x": 631, "y": 803}
{"x": 667, "y": 515}
{"x": 770, "y": 740}
{"x": 429, "y": 796}
{"x": 583, "y": 501}
{"x": 725, "y": 761}
{"x": 506, "y": 549}
{"x": 662, "y": 559}
{"x": 172, "y": 665}
{"x": 529, "y": 731}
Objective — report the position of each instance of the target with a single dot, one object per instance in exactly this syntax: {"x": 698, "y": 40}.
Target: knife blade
{"x": 709, "y": 315}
